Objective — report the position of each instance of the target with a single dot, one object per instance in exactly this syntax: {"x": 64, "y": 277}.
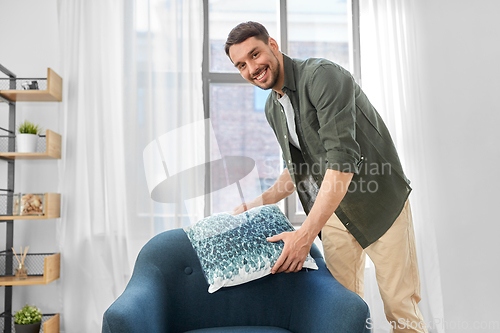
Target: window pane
{"x": 224, "y": 15}
{"x": 319, "y": 29}
{"x": 242, "y": 130}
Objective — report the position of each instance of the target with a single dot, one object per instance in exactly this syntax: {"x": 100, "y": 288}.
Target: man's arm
{"x": 281, "y": 189}
{"x": 298, "y": 243}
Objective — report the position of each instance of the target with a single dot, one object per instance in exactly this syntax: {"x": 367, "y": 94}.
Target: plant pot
{"x": 31, "y": 328}
{"x": 26, "y": 143}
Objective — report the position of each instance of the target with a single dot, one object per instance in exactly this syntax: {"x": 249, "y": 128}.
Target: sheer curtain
{"x": 390, "y": 78}
{"x": 92, "y": 232}
{"x": 163, "y": 92}
{"x": 132, "y": 72}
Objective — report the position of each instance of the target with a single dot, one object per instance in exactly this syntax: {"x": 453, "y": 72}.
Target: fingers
{"x": 290, "y": 260}
{"x": 278, "y": 266}
{"x": 240, "y": 209}
{"x": 275, "y": 238}
{"x": 299, "y": 266}
{"x": 288, "y": 265}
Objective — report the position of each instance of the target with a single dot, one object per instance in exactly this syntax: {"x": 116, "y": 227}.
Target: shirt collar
{"x": 289, "y": 81}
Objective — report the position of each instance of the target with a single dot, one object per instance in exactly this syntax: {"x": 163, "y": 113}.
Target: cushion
{"x": 233, "y": 249}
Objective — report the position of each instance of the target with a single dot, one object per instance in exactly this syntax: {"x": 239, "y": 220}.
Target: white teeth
{"x": 261, "y": 75}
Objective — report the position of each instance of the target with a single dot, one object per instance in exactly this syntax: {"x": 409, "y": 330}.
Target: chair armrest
{"x": 322, "y": 303}
{"x": 142, "y": 306}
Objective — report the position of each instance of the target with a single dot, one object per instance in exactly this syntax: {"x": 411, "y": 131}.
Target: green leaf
{"x": 28, "y": 128}
{"x": 28, "y": 315}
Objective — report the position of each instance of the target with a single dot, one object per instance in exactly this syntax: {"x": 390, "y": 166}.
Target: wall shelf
{"x": 53, "y": 151}
{"x": 51, "y": 272}
{"x": 52, "y": 94}
{"x": 50, "y": 322}
{"x": 51, "y": 325}
{"x": 52, "y": 210}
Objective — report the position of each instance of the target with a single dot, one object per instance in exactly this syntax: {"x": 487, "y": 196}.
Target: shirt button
{"x": 289, "y": 161}
{"x": 285, "y": 136}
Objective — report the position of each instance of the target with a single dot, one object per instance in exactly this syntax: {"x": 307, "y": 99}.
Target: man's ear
{"x": 273, "y": 44}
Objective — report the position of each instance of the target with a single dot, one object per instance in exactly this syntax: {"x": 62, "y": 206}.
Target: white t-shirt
{"x": 290, "y": 120}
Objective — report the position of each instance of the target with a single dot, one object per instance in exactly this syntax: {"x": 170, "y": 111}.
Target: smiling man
{"x": 343, "y": 164}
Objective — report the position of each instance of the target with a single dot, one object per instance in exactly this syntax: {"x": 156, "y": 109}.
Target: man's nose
{"x": 253, "y": 67}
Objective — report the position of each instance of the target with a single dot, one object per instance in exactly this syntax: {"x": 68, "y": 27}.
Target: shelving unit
{"x": 10, "y": 93}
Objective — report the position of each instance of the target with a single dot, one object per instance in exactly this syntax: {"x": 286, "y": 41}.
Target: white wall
{"x": 29, "y": 44}
{"x": 460, "y": 85}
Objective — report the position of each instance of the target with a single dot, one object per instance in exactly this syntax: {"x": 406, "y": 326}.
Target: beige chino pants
{"x": 395, "y": 259}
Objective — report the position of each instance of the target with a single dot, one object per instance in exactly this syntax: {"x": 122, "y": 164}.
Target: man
{"x": 341, "y": 160}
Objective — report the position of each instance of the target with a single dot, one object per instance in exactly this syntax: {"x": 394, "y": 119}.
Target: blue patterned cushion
{"x": 233, "y": 248}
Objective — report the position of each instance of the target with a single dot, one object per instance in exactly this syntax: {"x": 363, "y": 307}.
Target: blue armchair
{"x": 168, "y": 293}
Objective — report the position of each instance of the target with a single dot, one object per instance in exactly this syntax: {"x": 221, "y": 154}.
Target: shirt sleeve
{"x": 332, "y": 93}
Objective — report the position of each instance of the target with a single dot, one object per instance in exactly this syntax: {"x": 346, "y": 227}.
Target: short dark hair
{"x": 245, "y": 30}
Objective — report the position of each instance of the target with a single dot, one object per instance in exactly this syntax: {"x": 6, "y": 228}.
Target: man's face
{"x": 257, "y": 62}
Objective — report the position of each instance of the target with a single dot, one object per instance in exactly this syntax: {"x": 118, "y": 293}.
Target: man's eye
{"x": 255, "y": 55}
{"x": 241, "y": 67}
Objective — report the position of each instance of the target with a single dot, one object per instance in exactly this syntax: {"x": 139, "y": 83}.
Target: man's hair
{"x": 245, "y": 30}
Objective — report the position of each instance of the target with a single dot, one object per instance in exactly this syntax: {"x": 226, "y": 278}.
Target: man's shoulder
{"x": 309, "y": 67}
{"x": 311, "y": 64}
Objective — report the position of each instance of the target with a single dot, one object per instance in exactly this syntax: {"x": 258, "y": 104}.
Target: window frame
{"x": 208, "y": 77}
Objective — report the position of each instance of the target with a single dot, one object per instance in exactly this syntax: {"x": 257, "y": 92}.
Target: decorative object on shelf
{"x": 27, "y": 137}
{"x": 21, "y": 270}
{"x": 32, "y": 204}
{"x": 30, "y": 85}
{"x": 28, "y": 319}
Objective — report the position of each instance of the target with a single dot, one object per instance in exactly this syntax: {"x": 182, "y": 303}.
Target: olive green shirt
{"x": 338, "y": 128}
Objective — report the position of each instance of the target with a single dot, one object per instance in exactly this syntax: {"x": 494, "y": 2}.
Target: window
{"x": 303, "y": 29}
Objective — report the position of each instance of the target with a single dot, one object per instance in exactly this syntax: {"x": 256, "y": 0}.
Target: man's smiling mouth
{"x": 261, "y": 75}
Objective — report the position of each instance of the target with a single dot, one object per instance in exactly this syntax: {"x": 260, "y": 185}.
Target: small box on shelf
{"x": 32, "y": 204}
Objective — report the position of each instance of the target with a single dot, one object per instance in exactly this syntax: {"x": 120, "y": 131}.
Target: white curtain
{"x": 390, "y": 77}
{"x": 92, "y": 232}
{"x": 163, "y": 92}
{"x": 131, "y": 72}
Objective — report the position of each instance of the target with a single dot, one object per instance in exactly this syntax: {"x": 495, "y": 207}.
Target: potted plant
{"x": 27, "y": 137}
{"x": 28, "y": 320}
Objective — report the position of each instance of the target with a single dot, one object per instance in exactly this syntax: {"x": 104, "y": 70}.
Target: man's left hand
{"x": 294, "y": 252}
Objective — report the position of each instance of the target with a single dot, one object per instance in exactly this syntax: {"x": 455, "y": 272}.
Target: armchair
{"x": 168, "y": 293}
